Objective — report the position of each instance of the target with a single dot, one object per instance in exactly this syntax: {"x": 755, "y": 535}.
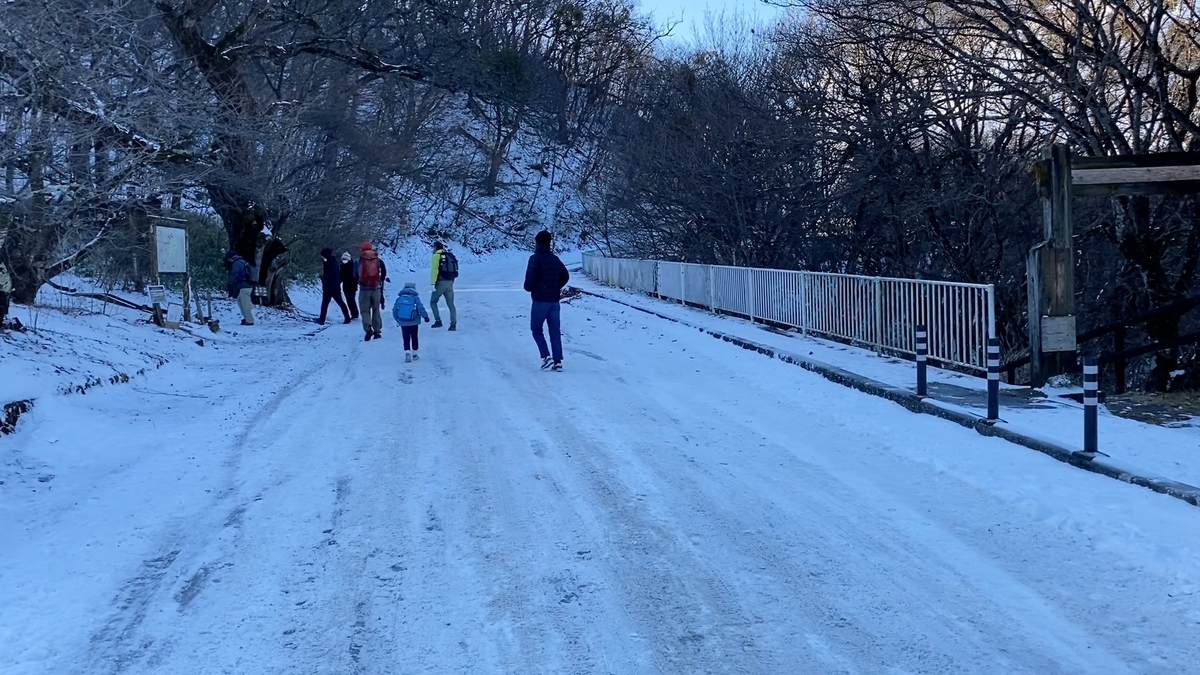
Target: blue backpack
{"x": 406, "y": 307}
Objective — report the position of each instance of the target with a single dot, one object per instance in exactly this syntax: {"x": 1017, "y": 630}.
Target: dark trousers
{"x": 547, "y": 313}
{"x": 335, "y": 294}
{"x": 411, "y": 343}
{"x": 350, "y": 290}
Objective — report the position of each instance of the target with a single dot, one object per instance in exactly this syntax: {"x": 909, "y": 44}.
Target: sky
{"x": 692, "y": 12}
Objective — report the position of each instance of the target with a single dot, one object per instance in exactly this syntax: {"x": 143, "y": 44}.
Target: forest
{"x": 880, "y": 137}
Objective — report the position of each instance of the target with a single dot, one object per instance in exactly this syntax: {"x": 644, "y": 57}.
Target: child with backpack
{"x": 408, "y": 313}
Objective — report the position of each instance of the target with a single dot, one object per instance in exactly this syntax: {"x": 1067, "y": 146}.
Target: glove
{"x": 426, "y": 319}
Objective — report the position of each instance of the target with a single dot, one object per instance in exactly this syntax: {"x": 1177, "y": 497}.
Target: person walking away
{"x": 544, "y": 280}
{"x": 371, "y": 275}
{"x": 408, "y": 313}
{"x": 331, "y": 286}
{"x": 445, "y": 271}
{"x": 349, "y": 284}
{"x": 241, "y": 284}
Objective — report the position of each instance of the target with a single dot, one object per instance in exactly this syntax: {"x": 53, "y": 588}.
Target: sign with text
{"x": 1058, "y": 333}
{"x": 171, "y": 245}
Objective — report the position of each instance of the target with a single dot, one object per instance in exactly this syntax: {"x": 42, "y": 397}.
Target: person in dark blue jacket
{"x": 544, "y": 280}
{"x": 241, "y": 284}
{"x": 331, "y": 285}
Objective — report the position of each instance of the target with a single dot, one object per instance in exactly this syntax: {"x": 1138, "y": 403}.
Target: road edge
{"x": 917, "y": 404}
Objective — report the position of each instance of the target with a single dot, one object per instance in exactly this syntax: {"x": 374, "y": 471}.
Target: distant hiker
{"x": 5, "y": 290}
{"x": 408, "y": 313}
{"x": 371, "y": 273}
{"x": 445, "y": 271}
{"x": 349, "y": 284}
{"x": 241, "y": 284}
{"x": 544, "y": 280}
{"x": 331, "y": 285}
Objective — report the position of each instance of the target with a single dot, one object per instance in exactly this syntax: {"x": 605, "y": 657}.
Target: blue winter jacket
{"x": 421, "y": 313}
{"x": 239, "y": 274}
{"x": 545, "y": 276}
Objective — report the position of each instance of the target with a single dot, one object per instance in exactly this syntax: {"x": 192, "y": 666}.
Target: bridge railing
{"x": 879, "y": 312}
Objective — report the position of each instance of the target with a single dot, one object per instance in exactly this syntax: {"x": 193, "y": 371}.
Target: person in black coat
{"x": 331, "y": 286}
{"x": 349, "y": 284}
{"x": 545, "y": 277}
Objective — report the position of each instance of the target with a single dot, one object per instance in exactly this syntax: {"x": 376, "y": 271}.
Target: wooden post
{"x": 1051, "y": 274}
{"x": 187, "y": 298}
{"x": 159, "y": 318}
{"x": 1119, "y": 362}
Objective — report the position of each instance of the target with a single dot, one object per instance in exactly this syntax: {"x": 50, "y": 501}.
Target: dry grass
{"x": 1176, "y": 408}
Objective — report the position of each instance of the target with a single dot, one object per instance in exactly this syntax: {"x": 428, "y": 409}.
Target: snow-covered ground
{"x": 299, "y": 501}
{"x": 1169, "y": 452}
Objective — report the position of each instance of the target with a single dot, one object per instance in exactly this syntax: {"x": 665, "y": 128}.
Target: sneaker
{"x": 453, "y": 327}
{"x": 416, "y": 356}
{"x": 437, "y": 324}
{"x": 246, "y": 323}
{"x": 547, "y": 362}
{"x": 368, "y": 338}
{"x": 408, "y": 358}
{"x": 557, "y": 367}
{"x": 378, "y": 335}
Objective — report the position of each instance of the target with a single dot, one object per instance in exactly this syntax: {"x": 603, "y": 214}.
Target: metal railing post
{"x": 712, "y": 292}
{"x": 878, "y": 316}
{"x": 993, "y": 384}
{"x": 922, "y": 357}
{"x": 1091, "y": 403}
{"x": 803, "y": 303}
{"x": 753, "y": 300}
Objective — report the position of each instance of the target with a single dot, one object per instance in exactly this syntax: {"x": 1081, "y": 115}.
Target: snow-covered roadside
{"x": 1170, "y": 452}
{"x": 71, "y": 345}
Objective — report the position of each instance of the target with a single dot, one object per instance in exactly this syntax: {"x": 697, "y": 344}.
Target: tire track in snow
{"x": 119, "y": 644}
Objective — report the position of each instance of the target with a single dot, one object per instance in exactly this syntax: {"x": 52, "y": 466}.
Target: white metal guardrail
{"x": 876, "y": 311}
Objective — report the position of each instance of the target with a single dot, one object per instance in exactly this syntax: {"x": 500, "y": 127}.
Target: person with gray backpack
{"x": 444, "y": 271}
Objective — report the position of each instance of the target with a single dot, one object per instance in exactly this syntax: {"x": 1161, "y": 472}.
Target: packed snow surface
{"x": 288, "y": 500}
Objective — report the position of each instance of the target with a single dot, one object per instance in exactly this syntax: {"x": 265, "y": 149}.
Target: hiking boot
{"x": 437, "y": 324}
{"x": 320, "y": 322}
{"x": 453, "y": 326}
{"x": 547, "y": 362}
{"x": 246, "y": 323}
{"x": 557, "y": 367}
{"x": 378, "y": 335}
{"x": 368, "y": 338}
{"x": 408, "y": 358}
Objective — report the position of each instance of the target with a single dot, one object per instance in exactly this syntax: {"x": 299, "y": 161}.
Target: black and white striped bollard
{"x": 922, "y": 356}
{"x": 993, "y": 361}
{"x": 1091, "y": 402}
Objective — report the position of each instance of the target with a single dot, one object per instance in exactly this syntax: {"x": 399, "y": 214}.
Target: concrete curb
{"x": 911, "y": 401}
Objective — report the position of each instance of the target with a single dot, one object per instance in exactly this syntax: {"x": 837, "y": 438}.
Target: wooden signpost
{"x": 1051, "y": 264}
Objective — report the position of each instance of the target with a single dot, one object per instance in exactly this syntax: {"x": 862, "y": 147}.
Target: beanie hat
{"x": 410, "y": 284}
{"x": 346, "y": 257}
{"x": 543, "y": 238}
{"x": 437, "y": 246}
{"x": 367, "y": 246}
{"x": 326, "y": 253}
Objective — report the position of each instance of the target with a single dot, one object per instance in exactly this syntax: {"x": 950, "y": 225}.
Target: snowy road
{"x": 669, "y": 504}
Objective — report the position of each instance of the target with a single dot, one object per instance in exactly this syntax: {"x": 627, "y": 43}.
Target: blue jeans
{"x": 546, "y": 312}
